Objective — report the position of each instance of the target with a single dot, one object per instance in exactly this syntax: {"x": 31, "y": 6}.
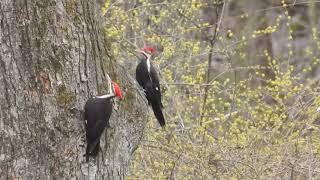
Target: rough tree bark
{"x": 53, "y": 56}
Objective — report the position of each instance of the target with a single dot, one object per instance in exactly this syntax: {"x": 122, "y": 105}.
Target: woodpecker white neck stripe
{"x": 148, "y": 65}
{"x": 105, "y": 96}
{"x": 110, "y": 84}
{"x": 148, "y": 56}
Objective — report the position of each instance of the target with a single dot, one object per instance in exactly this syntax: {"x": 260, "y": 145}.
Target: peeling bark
{"x": 53, "y": 57}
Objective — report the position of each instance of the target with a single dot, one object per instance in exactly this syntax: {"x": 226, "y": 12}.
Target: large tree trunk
{"x": 53, "y": 57}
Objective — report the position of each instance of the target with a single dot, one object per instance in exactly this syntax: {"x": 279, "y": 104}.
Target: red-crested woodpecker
{"x": 147, "y": 78}
{"x": 97, "y": 112}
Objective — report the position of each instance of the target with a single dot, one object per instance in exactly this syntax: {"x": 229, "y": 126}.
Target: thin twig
{"x": 212, "y": 42}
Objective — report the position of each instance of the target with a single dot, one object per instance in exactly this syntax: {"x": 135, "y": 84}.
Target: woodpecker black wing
{"x": 142, "y": 74}
{"x": 97, "y": 115}
{"x": 143, "y": 77}
{"x": 156, "y": 85}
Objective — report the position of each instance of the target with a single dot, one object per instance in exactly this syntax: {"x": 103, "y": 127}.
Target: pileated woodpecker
{"x": 148, "y": 79}
{"x": 97, "y": 112}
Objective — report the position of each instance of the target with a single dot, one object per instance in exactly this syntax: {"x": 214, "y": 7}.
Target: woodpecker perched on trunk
{"x": 148, "y": 79}
{"x": 97, "y": 112}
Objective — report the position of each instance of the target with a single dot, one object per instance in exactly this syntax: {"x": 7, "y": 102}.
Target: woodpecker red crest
{"x": 117, "y": 90}
{"x": 149, "y": 50}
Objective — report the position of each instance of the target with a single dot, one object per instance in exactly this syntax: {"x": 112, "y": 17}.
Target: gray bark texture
{"x": 53, "y": 56}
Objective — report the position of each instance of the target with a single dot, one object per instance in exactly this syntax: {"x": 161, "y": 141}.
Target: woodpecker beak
{"x": 139, "y": 50}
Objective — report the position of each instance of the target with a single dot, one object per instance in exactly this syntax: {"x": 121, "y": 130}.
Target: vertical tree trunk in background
{"x": 261, "y": 43}
{"x": 53, "y": 57}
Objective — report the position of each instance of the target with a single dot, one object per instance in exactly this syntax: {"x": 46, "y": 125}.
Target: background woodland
{"x": 240, "y": 84}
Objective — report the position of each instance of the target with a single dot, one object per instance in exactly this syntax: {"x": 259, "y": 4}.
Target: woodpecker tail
{"x": 154, "y": 99}
{"x": 92, "y": 149}
{"x": 156, "y": 107}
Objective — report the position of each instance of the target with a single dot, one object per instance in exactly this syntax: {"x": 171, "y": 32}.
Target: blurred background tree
{"x": 241, "y": 85}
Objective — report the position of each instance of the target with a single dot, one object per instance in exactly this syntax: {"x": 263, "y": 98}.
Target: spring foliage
{"x": 240, "y": 94}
